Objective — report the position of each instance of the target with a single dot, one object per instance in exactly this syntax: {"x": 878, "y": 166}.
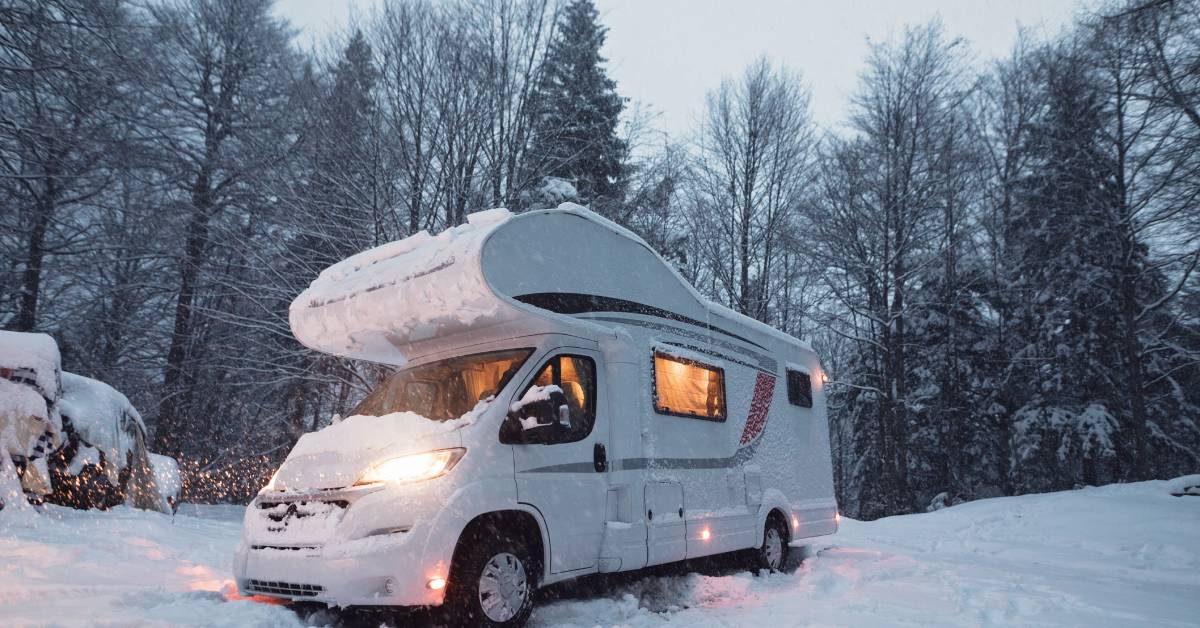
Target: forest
{"x": 995, "y": 258}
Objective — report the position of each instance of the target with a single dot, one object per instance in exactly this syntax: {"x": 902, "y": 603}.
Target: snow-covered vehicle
{"x": 565, "y": 404}
{"x": 103, "y": 461}
{"x": 1187, "y": 485}
{"x": 30, "y": 427}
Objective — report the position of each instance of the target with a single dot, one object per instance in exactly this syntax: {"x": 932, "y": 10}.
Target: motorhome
{"x": 564, "y": 403}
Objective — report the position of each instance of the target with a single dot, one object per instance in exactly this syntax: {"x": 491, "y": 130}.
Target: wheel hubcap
{"x": 503, "y": 587}
{"x": 773, "y": 549}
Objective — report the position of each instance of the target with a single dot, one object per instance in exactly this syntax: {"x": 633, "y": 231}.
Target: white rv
{"x": 564, "y": 404}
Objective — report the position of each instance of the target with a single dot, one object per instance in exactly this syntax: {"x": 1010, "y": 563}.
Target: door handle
{"x": 599, "y": 458}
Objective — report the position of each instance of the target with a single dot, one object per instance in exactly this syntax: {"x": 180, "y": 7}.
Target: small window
{"x": 576, "y": 376}
{"x": 799, "y": 388}
{"x": 688, "y": 388}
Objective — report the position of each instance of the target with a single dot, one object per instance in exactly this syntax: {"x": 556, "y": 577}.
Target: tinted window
{"x": 684, "y": 387}
{"x": 799, "y": 389}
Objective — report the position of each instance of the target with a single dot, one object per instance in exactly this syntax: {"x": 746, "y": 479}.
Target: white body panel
{"x": 671, "y": 487}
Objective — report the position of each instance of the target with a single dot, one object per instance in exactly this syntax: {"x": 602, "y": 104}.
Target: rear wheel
{"x": 492, "y": 583}
{"x": 773, "y": 554}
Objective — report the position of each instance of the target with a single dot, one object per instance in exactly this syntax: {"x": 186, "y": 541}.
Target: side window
{"x": 576, "y": 376}
{"x": 799, "y": 386}
{"x": 688, "y": 388}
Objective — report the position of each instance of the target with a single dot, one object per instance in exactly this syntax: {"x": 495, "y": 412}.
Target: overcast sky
{"x": 667, "y": 54}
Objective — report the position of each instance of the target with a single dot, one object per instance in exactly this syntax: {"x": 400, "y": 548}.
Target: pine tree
{"x": 1070, "y": 257}
{"x": 578, "y": 109}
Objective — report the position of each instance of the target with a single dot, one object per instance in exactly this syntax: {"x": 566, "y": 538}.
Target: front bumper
{"x": 370, "y": 547}
{"x": 376, "y": 578}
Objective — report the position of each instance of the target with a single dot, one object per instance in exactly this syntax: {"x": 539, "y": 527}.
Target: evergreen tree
{"x": 1069, "y": 259}
{"x": 578, "y": 108}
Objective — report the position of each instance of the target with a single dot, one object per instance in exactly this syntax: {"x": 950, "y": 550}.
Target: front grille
{"x": 284, "y": 588}
{"x": 310, "y": 515}
{"x": 340, "y": 503}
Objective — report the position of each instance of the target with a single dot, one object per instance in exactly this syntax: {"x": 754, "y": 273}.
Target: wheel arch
{"x": 777, "y": 514}
{"x": 774, "y": 503}
{"x": 525, "y": 524}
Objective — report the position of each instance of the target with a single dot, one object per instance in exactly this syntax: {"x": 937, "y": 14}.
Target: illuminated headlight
{"x": 413, "y": 468}
{"x": 270, "y": 483}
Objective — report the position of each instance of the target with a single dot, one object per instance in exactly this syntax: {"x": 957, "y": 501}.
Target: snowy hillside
{"x": 1116, "y": 555}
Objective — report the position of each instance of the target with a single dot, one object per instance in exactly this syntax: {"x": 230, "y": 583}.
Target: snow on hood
{"x": 335, "y": 456}
{"x": 32, "y": 352}
{"x": 101, "y": 415}
{"x": 370, "y": 305}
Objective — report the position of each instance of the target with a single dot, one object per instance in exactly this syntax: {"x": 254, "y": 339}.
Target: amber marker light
{"x": 705, "y": 534}
{"x": 436, "y": 584}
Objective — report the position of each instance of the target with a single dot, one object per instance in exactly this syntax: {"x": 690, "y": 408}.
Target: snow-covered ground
{"x": 1116, "y": 555}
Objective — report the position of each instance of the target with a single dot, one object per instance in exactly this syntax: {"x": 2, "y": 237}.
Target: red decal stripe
{"x": 764, "y": 388}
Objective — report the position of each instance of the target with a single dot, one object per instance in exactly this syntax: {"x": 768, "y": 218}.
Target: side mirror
{"x": 537, "y": 421}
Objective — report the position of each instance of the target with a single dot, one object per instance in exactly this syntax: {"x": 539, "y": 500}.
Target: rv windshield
{"x": 446, "y": 389}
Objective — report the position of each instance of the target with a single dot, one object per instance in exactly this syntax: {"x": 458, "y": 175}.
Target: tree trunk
{"x": 174, "y": 424}
{"x": 1132, "y": 349}
{"x": 35, "y": 253}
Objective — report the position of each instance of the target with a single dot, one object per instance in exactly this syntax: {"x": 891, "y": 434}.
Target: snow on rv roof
{"x": 33, "y": 351}
{"x": 381, "y": 303}
{"x": 418, "y": 287}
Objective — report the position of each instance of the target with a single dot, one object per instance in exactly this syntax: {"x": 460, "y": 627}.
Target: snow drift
{"x": 1117, "y": 555}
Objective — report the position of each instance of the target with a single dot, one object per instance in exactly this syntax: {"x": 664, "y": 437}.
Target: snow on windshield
{"x": 446, "y": 389}
{"x": 360, "y": 434}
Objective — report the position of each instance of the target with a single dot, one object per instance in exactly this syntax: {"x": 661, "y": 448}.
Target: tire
{"x": 772, "y": 555}
{"x": 492, "y": 582}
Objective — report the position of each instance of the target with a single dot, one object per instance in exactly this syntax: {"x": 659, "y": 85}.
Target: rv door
{"x": 559, "y": 465}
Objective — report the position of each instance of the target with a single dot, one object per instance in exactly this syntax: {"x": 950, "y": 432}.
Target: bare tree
{"x": 754, "y": 161}
{"x": 876, "y": 230}
{"x": 220, "y": 77}
{"x": 62, "y": 84}
{"x": 1151, "y": 96}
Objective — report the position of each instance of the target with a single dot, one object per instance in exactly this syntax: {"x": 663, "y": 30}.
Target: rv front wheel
{"x": 492, "y": 584}
{"x": 773, "y": 553}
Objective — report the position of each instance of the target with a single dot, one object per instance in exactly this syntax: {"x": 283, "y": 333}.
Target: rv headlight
{"x": 414, "y": 468}
{"x": 270, "y": 483}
